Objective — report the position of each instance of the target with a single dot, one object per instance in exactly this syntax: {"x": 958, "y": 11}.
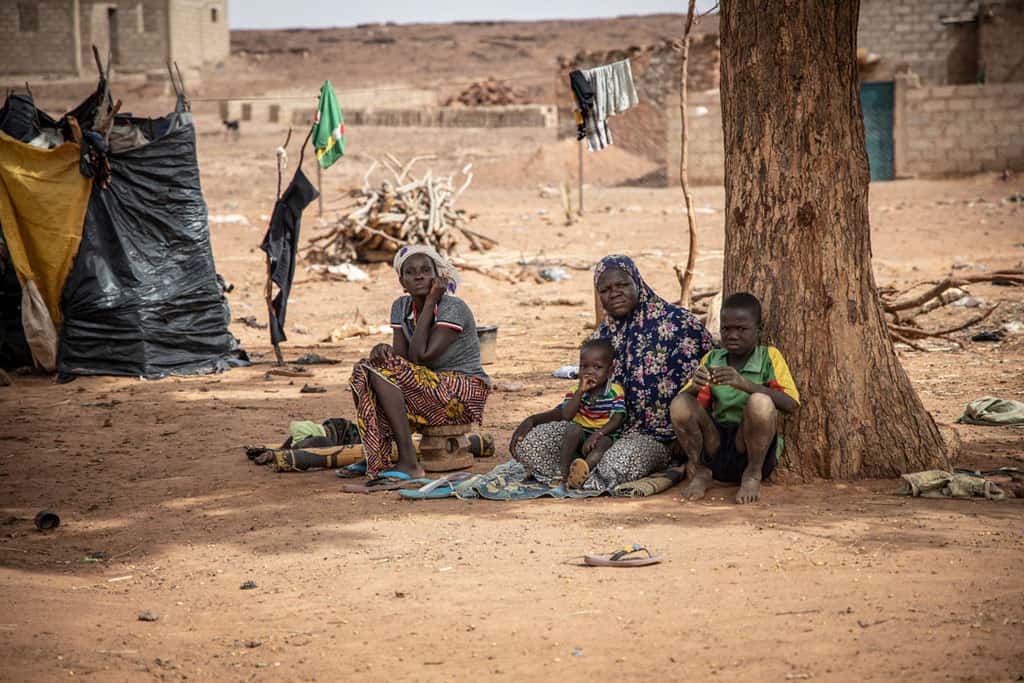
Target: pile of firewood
{"x": 487, "y": 93}
{"x": 406, "y": 210}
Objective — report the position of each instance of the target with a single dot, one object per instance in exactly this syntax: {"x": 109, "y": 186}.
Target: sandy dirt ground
{"x": 821, "y": 580}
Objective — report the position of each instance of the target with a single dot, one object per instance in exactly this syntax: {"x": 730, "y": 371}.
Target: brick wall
{"x": 142, "y": 33}
{"x": 51, "y": 49}
{"x": 1001, "y": 42}
{"x": 196, "y": 40}
{"x": 910, "y": 33}
{"x": 706, "y": 153}
{"x": 961, "y": 129}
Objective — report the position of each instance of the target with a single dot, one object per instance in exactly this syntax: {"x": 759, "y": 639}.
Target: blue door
{"x": 876, "y": 99}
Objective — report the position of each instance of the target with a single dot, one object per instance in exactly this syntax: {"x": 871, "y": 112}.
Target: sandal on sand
{"x": 356, "y": 469}
{"x": 385, "y": 481}
{"x": 579, "y": 470}
{"x": 619, "y": 558}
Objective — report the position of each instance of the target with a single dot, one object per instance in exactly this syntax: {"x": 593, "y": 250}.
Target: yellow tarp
{"x": 43, "y": 200}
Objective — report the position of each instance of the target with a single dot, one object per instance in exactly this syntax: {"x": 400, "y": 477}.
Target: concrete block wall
{"x": 142, "y": 34}
{"x": 52, "y": 49}
{"x": 195, "y": 39}
{"x": 960, "y": 129}
{"x": 512, "y": 116}
{"x": 910, "y": 34}
{"x": 706, "y": 152}
{"x": 1001, "y": 42}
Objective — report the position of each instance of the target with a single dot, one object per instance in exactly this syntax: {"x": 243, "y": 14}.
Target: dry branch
{"x": 402, "y": 210}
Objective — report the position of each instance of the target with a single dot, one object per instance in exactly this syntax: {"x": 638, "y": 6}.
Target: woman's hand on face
{"x": 380, "y": 353}
{"x": 521, "y": 431}
{"x": 437, "y": 289}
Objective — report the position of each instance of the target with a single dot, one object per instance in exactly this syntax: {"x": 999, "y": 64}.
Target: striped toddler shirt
{"x": 598, "y": 406}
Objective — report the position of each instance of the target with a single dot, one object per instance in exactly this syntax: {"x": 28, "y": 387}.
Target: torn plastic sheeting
{"x": 143, "y": 298}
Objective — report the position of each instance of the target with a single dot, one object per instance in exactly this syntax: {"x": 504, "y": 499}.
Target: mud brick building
{"x": 942, "y": 90}
{"x": 55, "y": 37}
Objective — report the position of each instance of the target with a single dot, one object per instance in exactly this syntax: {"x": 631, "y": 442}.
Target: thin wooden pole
{"x": 319, "y": 189}
{"x": 579, "y": 209}
{"x": 686, "y": 277}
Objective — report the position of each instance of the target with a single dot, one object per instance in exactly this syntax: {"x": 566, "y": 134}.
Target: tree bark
{"x": 797, "y": 235}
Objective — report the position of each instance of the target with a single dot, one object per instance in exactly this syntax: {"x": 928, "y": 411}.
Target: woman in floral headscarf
{"x": 657, "y": 347}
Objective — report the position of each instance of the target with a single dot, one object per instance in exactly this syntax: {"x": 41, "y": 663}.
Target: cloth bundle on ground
{"x": 510, "y": 481}
{"x": 601, "y": 92}
{"x": 992, "y": 411}
{"x": 958, "y": 484}
{"x": 331, "y": 444}
{"x": 649, "y": 486}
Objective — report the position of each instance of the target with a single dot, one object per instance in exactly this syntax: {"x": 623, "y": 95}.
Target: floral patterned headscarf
{"x": 657, "y": 347}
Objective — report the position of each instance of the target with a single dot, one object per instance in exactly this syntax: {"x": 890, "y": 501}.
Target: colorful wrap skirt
{"x": 431, "y": 399}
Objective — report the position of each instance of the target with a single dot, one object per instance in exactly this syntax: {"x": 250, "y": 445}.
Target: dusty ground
{"x": 822, "y": 580}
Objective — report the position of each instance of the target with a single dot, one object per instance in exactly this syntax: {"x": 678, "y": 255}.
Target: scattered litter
{"x": 1014, "y": 327}
{"x": 445, "y": 569}
{"x": 248, "y": 585}
{"x": 149, "y": 616}
{"x": 554, "y": 274}
{"x": 357, "y": 327}
{"x": 707, "y": 210}
{"x": 230, "y": 219}
{"x": 969, "y": 302}
{"x": 95, "y": 556}
{"x": 46, "y": 520}
{"x": 120, "y": 578}
{"x": 988, "y": 336}
{"x": 300, "y": 329}
{"x": 1016, "y": 198}
{"x": 567, "y": 372}
{"x": 251, "y": 321}
{"x": 315, "y": 359}
{"x": 252, "y": 644}
{"x": 557, "y": 301}
{"x": 312, "y": 389}
{"x": 347, "y": 272}
{"x": 509, "y": 386}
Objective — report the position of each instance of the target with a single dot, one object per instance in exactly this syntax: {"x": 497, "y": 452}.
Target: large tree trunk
{"x": 797, "y": 236}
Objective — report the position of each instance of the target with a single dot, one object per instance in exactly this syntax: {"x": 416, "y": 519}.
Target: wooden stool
{"x": 445, "y": 448}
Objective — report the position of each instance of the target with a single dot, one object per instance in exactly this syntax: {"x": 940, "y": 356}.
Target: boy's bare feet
{"x": 698, "y": 486}
{"x": 750, "y": 490}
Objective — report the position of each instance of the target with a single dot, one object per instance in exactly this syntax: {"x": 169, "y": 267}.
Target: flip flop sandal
{"x": 620, "y": 558}
{"x": 440, "y": 488}
{"x": 579, "y": 470}
{"x": 356, "y": 469}
{"x": 386, "y": 481}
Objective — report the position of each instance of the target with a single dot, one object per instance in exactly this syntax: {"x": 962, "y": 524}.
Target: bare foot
{"x": 579, "y": 470}
{"x": 416, "y": 472}
{"x": 750, "y": 490}
{"x": 698, "y": 486}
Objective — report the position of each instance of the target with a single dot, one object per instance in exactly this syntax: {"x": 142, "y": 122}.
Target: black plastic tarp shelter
{"x": 143, "y": 297}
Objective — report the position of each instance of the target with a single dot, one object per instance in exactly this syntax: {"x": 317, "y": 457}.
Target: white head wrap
{"x": 443, "y": 266}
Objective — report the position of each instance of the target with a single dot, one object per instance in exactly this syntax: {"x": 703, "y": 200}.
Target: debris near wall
{"x": 399, "y": 211}
{"x": 489, "y": 93}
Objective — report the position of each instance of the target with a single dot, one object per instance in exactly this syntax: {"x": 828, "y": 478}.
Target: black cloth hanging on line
{"x": 281, "y": 245}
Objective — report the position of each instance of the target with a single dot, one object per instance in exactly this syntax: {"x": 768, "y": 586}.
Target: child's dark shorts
{"x": 728, "y": 464}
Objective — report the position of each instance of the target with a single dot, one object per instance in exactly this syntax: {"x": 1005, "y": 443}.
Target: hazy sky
{"x": 320, "y": 13}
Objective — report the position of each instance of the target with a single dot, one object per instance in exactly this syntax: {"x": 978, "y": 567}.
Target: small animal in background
{"x": 232, "y": 129}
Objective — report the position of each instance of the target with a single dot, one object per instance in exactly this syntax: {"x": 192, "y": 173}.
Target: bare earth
{"x": 822, "y": 580}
